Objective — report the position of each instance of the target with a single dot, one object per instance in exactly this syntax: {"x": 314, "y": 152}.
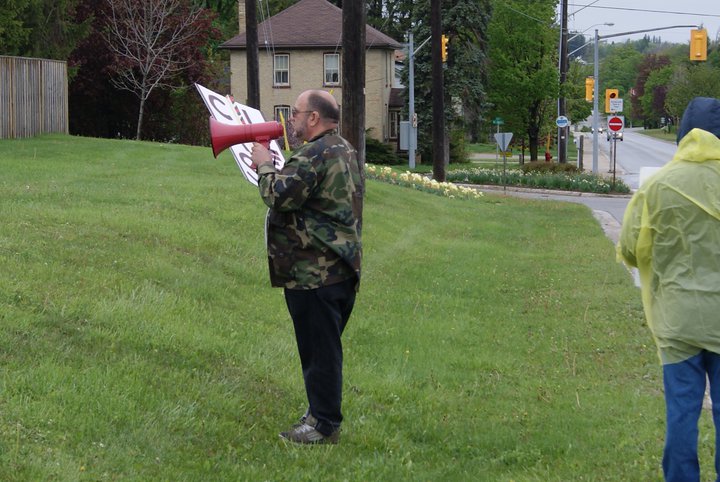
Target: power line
{"x": 646, "y": 10}
{"x": 523, "y": 14}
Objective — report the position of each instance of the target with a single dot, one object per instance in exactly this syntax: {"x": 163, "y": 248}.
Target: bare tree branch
{"x": 149, "y": 38}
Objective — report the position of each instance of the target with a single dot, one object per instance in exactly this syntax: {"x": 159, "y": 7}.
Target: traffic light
{"x": 589, "y": 88}
{"x": 443, "y": 45}
{"x": 610, "y": 94}
{"x": 698, "y": 44}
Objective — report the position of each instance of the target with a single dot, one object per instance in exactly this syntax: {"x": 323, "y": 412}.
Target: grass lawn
{"x": 140, "y": 340}
{"x": 660, "y": 134}
{"x": 491, "y": 149}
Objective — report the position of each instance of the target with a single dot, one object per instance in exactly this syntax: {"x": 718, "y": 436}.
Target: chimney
{"x": 241, "y": 16}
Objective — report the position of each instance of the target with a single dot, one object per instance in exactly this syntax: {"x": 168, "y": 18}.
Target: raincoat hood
{"x": 701, "y": 113}
{"x": 671, "y": 233}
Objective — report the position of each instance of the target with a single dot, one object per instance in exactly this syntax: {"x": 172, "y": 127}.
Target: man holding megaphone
{"x": 314, "y": 251}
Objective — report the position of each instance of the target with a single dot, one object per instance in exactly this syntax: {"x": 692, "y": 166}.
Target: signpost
{"x": 562, "y": 121}
{"x": 616, "y": 124}
{"x": 497, "y": 122}
{"x": 503, "y": 141}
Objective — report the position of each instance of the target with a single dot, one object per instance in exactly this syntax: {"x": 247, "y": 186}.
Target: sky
{"x": 644, "y": 14}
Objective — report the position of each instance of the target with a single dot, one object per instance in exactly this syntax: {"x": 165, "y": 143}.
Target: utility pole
{"x": 596, "y": 93}
{"x": 412, "y": 141}
{"x": 354, "y": 19}
{"x": 563, "y": 63}
{"x": 253, "y": 62}
{"x": 438, "y": 93}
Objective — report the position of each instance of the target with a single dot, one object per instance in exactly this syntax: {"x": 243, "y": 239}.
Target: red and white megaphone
{"x": 223, "y": 136}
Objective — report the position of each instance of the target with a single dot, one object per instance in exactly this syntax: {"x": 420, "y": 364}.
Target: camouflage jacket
{"x": 315, "y": 219}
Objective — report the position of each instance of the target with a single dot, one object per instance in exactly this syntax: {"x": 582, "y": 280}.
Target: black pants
{"x": 319, "y": 317}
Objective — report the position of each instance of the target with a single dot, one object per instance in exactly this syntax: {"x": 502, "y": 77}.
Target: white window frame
{"x": 285, "y": 109}
{"x": 329, "y": 72}
{"x": 393, "y": 124}
{"x": 279, "y": 70}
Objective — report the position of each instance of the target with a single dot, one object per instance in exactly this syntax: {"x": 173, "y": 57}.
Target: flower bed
{"x": 583, "y": 182}
{"x": 421, "y": 183}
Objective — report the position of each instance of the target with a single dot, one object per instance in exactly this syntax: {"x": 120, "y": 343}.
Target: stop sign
{"x": 616, "y": 123}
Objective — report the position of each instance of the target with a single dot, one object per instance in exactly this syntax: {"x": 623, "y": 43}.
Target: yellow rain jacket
{"x": 671, "y": 233}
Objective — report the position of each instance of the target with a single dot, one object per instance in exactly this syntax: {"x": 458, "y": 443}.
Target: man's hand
{"x": 260, "y": 155}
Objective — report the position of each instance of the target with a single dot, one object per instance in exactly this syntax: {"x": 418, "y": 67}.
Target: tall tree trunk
{"x": 141, "y": 112}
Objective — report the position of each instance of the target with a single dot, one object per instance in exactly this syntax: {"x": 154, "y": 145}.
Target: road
{"x": 636, "y": 151}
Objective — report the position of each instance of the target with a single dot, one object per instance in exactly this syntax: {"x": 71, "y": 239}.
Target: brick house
{"x": 300, "y": 49}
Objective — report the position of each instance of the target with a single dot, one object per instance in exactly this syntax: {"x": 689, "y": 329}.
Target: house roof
{"x": 308, "y": 24}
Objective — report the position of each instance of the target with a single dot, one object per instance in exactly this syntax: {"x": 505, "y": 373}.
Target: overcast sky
{"x": 644, "y": 14}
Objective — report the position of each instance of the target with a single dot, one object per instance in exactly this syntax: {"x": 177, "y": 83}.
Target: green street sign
{"x": 498, "y": 121}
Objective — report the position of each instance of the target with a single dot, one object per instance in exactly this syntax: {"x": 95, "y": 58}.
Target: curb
{"x": 495, "y": 187}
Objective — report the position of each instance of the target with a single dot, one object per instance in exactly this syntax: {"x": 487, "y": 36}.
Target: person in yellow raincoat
{"x": 671, "y": 233}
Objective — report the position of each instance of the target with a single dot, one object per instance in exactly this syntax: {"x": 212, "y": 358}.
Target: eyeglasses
{"x": 295, "y": 112}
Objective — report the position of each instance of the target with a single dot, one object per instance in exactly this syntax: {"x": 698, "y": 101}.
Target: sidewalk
{"x": 604, "y": 162}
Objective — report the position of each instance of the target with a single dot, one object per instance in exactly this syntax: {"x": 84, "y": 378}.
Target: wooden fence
{"x": 33, "y": 97}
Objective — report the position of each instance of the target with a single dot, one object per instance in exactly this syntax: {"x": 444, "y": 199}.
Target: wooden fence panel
{"x": 33, "y": 97}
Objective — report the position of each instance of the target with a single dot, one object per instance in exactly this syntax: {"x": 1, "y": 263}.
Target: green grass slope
{"x": 140, "y": 340}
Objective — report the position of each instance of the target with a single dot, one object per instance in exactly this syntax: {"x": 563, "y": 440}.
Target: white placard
{"x": 226, "y": 111}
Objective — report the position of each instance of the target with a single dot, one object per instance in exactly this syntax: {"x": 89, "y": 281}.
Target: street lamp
{"x": 596, "y": 76}
{"x": 562, "y": 132}
{"x": 608, "y": 24}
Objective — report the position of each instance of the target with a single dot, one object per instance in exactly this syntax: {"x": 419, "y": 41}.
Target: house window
{"x": 393, "y": 124}
{"x": 281, "y": 70}
{"x": 332, "y": 69}
{"x": 284, "y": 110}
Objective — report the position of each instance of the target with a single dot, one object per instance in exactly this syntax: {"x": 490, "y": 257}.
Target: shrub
{"x": 379, "y": 153}
{"x": 552, "y": 167}
{"x": 457, "y": 146}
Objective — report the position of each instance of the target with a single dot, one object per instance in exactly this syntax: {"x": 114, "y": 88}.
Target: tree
{"x": 465, "y": 23}
{"x": 619, "y": 69}
{"x": 649, "y": 64}
{"x": 14, "y": 33}
{"x": 578, "y": 109}
{"x": 653, "y": 99}
{"x": 40, "y": 28}
{"x": 153, "y": 43}
{"x": 691, "y": 81}
{"x": 466, "y": 75}
{"x": 392, "y": 17}
{"x": 523, "y": 75}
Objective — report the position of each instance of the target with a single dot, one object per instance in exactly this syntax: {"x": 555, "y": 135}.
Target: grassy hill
{"x": 140, "y": 340}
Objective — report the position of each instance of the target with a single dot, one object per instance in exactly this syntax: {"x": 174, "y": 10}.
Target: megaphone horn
{"x": 223, "y": 136}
